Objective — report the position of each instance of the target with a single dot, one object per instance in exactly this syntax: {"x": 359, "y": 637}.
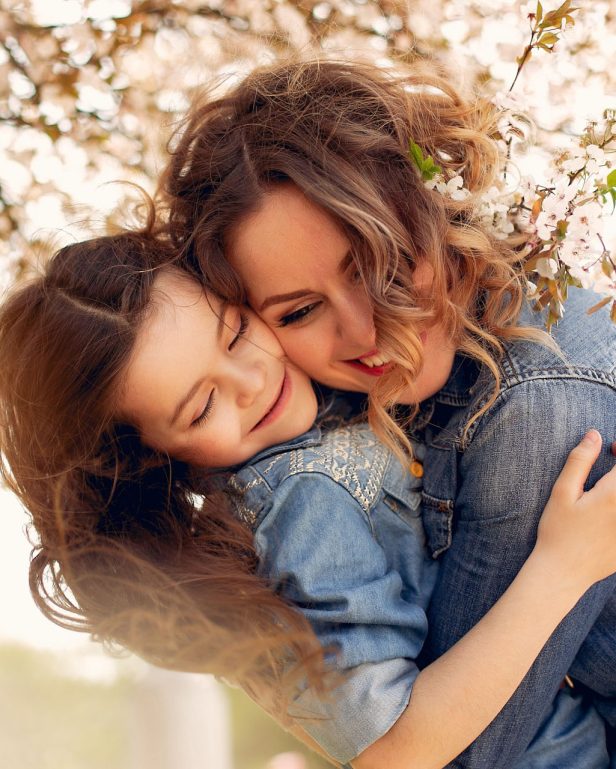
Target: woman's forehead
{"x": 288, "y": 240}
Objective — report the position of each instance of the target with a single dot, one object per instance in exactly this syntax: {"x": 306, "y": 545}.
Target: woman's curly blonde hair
{"x": 340, "y": 132}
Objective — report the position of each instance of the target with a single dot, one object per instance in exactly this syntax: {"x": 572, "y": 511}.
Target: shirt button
{"x": 416, "y": 469}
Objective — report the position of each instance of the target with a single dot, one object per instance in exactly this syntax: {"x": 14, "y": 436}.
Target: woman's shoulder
{"x": 586, "y": 345}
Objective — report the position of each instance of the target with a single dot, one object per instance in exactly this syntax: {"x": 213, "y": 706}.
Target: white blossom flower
{"x": 456, "y": 190}
{"x": 574, "y": 164}
{"x": 546, "y": 267}
{"x": 585, "y": 219}
{"x": 596, "y": 158}
{"x": 546, "y": 223}
{"x": 603, "y": 284}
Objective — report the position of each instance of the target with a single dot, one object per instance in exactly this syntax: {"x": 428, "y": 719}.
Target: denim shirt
{"x": 484, "y": 491}
{"x": 337, "y": 526}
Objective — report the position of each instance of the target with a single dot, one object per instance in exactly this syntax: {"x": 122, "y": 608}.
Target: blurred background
{"x": 90, "y": 91}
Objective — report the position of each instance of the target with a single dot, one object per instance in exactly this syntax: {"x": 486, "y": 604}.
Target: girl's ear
{"x": 152, "y": 458}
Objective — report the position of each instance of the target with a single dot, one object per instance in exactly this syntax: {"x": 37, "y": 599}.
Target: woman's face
{"x": 296, "y": 265}
{"x": 209, "y": 384}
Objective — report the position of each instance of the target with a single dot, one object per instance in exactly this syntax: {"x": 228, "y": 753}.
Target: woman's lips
{"x": 370, "y": 370}
{"x": 278, "y": 405}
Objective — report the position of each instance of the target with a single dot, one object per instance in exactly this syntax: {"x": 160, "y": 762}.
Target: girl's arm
{"x": 459, "y": 694}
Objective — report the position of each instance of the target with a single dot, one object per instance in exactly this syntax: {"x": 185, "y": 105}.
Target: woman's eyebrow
{"x": 194, "y": 389}
{"x": 279, "y": 298}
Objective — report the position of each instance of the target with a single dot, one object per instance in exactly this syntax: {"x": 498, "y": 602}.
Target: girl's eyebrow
{"x": 194, "y": 389}
{"x": 280, "y": 298}
{"x": 185, "y": 401}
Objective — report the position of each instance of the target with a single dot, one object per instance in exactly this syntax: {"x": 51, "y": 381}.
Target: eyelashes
{"x": 240, "y": 332}
{"x": 205, "y": 413}
{"x": 202, "y": 418}
{"x": 298, "y": 315}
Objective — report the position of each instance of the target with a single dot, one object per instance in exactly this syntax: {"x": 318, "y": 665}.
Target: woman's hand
{"x": 457, "y": 696}
{"x": 577, "y": 527}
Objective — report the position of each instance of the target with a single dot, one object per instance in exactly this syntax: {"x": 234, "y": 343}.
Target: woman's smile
{"x": 372, "y": 363}
{"x": 297, "y": 266}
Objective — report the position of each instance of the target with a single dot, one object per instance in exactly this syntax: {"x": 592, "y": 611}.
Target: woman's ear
{"x": 423, "y": 277}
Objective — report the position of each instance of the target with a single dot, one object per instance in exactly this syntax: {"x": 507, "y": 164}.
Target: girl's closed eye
{"x": 240, "y": 332}
{"x": 298, "y": 315}
{"x": 202, "y": 418}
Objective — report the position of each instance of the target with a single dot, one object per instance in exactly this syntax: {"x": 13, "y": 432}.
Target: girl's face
{"x": 296, "y": 265}
{"x": 209, "y": 384}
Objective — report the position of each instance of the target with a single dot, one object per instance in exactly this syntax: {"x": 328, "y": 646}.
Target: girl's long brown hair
{"x": 340, "y": 132}
{"x": 131, "y": 546}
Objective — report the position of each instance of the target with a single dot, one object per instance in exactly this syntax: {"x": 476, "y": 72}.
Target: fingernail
{"x": 592, "y": 436}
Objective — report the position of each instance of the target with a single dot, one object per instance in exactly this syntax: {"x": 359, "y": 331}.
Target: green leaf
{"x": 416, "y": 154}
{"x": 611, "y": 178}
{"x": 548, "y": 38}
{"x": 426, "y": 165}
{"x": 539, "y": 13}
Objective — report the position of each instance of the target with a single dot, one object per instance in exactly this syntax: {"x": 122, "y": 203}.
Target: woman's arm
{"x": 501, "y": 484}
{"x": 457, "y": 696}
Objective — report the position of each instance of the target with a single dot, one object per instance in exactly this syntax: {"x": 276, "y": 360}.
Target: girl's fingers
{"x": 579, "y": 464}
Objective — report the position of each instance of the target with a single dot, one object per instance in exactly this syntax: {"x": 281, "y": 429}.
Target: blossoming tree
{"x": 90, "y": 89}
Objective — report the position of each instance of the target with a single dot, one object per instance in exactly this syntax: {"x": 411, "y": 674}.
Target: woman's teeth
{"x": 372, "y": 361}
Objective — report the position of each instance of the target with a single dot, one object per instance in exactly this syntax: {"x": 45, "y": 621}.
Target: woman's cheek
{"x": 299, "y": 347}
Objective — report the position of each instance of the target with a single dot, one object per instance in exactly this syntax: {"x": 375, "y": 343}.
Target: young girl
{"x": 124, "y": 384}
{"x": 295, "y": 191}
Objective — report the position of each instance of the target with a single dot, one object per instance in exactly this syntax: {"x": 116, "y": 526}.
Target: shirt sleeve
{"x": 504, "y": 481}
{"x": 317, "y": 546}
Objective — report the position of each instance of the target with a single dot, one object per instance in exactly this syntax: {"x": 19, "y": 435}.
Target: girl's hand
{"x": 578, "y": 528}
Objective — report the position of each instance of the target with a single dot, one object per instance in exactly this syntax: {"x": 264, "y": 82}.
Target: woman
{"x": 295, "y": 191}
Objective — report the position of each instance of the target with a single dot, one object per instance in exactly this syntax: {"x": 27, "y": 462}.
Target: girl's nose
{"x": 356, "y": 319}
{"x": 249, "y": 382}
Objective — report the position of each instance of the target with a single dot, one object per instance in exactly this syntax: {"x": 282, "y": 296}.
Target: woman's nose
{"x": 355, "y": 322}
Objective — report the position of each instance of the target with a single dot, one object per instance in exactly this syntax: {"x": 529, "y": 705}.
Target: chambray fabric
{"x": 572, "y": 735}
{"x": 483, "y": 497}
{"x": 338, "y": 529}
{"x": 337, "y": 526}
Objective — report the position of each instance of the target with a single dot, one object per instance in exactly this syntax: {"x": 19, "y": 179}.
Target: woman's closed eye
{"x": 298, "y": 315}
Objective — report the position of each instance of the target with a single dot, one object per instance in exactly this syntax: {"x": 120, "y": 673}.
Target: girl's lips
{"x": 278, "y": 405}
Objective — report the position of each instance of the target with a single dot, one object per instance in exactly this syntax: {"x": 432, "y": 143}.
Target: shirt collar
{"x": 459, "y": 388}
{"x": 310, "y": 438}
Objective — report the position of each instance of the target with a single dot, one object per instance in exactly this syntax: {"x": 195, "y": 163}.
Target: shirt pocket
{"x": 438, "y": 523}
{"x": 407, "y": 506}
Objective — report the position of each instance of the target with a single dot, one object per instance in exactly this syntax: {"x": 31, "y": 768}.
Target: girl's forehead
{"x": 174, "y": 287}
